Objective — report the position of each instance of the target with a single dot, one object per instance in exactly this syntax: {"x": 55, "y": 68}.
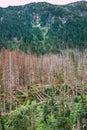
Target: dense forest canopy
{"x": 44, "y": 27}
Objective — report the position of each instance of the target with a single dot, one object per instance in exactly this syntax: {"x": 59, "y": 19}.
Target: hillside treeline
{"x": 44, "y": 28}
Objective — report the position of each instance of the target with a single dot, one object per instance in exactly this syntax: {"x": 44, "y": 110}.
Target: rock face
{"x": 44, "y": 27}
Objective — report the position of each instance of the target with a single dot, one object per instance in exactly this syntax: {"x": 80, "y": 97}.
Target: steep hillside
{"x": 44, "y": 27}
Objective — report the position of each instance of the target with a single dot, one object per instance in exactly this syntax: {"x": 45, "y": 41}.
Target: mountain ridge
{"x": 44, "y": 27}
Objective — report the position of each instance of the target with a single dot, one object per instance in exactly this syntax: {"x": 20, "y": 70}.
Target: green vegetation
{"x": 43, "y": 92}
{"x": 41, "y": 98}
{"x": 56, "y": 113}
{"x": 64, "y": 26}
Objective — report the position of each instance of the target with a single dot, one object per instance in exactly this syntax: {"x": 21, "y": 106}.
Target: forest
{"x": 45, "y": 92}
{"x": 43, "y": 27}
{"x": 43, "y": 67}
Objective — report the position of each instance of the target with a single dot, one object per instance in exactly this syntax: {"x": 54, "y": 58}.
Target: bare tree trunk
{"x": 78, "y": 124}
{"x": 11, "y": 79}
{"x": 32, "y": 122}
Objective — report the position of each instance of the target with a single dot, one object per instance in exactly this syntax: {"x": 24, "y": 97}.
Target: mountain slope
{"x": 44, "y": 27}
